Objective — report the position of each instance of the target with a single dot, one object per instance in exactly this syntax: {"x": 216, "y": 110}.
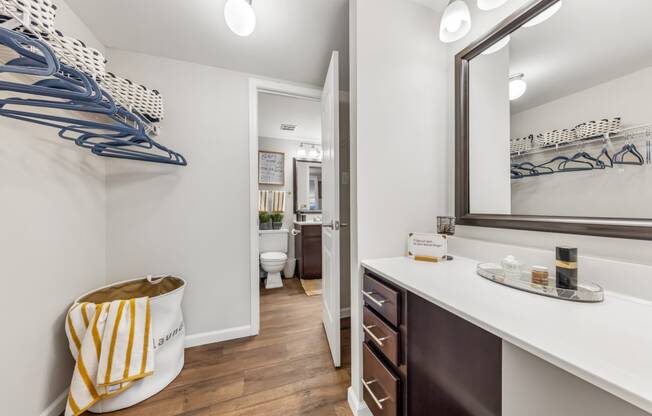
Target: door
{"x": 331, "y": 208}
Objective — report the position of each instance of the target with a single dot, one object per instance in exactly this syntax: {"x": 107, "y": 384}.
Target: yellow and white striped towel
{"x": 278, "y": 201}
{"x": 112, "y": 345}
{"x": 263, "y": 198}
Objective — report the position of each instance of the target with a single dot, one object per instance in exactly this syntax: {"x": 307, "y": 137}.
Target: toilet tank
{"x": 273, "y": 240}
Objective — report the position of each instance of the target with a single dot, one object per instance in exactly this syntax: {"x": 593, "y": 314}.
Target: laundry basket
{"x": 165, "y": 293}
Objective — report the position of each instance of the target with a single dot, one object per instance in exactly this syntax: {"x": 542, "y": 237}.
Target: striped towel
{"x": 278, "y": 201}
{"x": 111, "y": 343}
{"x": 263, "y": 201}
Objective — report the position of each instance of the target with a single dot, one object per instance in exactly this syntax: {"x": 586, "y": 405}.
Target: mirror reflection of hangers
{"x": 631, "y": 150}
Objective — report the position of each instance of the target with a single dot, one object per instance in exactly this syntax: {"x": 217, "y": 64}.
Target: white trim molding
{"x": 211, "y": 337}
{"x": 58, "y": 406}
{"x": 258, "y": 85}
{"x": 358, "y": 407}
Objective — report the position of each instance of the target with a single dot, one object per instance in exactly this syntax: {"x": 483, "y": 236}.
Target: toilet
{"x": 273, "y": 248}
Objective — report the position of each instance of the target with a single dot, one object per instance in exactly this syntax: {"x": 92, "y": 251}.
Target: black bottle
{"x": 566, "y": 268}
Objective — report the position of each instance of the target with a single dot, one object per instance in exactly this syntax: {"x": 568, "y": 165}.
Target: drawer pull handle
{"x": 369, "y": 296}
{"x": 380, "y": 340}
{"x": 379, "y": 402}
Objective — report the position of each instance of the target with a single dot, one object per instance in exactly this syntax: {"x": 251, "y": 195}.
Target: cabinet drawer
{"x": 381, "y": 298}
{"x": 378, "y": 333}
{"x": 381, "y": 386}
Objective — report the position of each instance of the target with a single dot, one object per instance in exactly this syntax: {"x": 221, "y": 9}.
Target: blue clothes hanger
{"x": 628, "y": 149}
{"x": 606, "y": 154}
{"x": 43, "y": 64}
{"x": 577, "y": 157}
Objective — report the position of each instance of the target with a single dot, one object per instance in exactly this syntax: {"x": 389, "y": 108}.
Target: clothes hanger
{"x": 605, "y": 153}
{"x": 628, "y": 149}
{"x": 595, "y": 163}
{"x": 44, "y": 64}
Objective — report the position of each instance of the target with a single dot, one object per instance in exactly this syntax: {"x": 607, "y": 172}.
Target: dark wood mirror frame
{"x": 294, "y": 185}
{"x": 606, "y": 227}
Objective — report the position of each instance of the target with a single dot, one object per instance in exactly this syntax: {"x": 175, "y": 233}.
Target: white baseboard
{"x": 204, "y": 338}
{"x": 358, "y": 407}
{"x": 57, "y": 407}
{"x": 345, "y": 313}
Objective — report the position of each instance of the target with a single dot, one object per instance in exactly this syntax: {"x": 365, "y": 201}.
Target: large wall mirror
{"x": 307, "y": 186}
{"x": 553, "y": 120}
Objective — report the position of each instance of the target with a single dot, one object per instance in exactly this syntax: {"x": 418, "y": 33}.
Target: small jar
{"x": 540, "y": 275}
{"x": 511, "y": 268}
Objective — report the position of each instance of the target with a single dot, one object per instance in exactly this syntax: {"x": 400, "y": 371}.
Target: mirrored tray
{"x": 586, "y": 292}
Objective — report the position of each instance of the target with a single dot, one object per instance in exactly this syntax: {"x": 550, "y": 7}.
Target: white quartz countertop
{"x": 608, "y": 344}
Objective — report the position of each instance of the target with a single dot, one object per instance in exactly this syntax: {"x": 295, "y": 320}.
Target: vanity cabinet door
{"x": 454, "y": 367}
{"x": 311, "y": 251}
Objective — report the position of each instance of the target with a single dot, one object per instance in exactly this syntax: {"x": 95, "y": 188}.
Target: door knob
{"x": 333, "y": 225}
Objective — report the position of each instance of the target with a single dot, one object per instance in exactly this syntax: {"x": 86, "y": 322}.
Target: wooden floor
{"x": 286, "y": 370}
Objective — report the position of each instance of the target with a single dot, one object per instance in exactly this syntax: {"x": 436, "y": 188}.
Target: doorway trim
{"x": 256, "y": 86}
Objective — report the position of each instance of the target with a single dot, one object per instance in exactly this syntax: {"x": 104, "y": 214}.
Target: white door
{"x": 330, "y": 129}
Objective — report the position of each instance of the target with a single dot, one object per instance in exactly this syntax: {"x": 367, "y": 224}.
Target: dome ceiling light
{"x": 517, "y": 86}
{"x": 455, "y": 22}
{"x": 240, "y": 17}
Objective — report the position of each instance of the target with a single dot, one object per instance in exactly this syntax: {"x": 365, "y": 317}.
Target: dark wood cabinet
{"x": 419, "y": 359}
{"x": 454, "y": 367}
{"x": 307, "y": 248}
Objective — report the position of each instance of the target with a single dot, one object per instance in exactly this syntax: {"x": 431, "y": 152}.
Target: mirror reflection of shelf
{"x": 629, "y": 134}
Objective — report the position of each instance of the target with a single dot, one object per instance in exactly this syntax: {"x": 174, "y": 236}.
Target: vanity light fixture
{"x": 497, "y": 46}
{"x": 314, "y": 152}
{"x": 455, "y": 22}
{"x": 517, "y": 86}
{"x": 544, "y": 15}
{"x": 301, "y": 152}
{"x": 490, "y": 4}
{"x": 240, "y": 17}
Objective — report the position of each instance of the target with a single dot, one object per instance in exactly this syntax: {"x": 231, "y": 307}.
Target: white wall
{"x": 398, "y": 113}
{"x": 53, "y": 245}
{"x": 192, "y": 221}
{"x": 489, "y": 134}
{"x": 632, "y": 256}
{"x": 624, "y": 192}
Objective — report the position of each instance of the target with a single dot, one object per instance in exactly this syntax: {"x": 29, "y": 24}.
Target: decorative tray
{"x": 586, "y": 292}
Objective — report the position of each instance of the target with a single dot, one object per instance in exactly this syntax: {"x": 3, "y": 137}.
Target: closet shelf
{"x": 626, "y": 134}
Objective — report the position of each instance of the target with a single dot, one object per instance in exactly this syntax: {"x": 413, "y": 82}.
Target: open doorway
{"x": 299, "y": 219}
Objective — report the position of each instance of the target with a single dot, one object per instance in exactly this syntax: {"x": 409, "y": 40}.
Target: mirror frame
{"x": 606, "y": 227}
{"x": 294, "y": 184}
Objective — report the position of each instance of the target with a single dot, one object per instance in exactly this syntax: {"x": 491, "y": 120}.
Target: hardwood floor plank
{"x": 286, "y": 370}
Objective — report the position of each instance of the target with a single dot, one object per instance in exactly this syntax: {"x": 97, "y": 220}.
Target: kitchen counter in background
{"x": 605, "y": 344}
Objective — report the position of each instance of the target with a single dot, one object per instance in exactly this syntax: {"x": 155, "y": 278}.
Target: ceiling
{"x": 274, "y": 110}
{"x": 588, "y": 42}
{"x": 293, "y": 39}
{"x": 437, "y": 5}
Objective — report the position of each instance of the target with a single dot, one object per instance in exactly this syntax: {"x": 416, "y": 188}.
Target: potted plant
{"x": 277, "y": 220}
{"x": 264, "y": 220}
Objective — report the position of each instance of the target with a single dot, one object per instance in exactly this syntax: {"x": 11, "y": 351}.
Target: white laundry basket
{"x": 166, "y": 294}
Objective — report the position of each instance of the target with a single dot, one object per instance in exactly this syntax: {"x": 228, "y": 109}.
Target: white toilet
{"x": 273, "y": 248}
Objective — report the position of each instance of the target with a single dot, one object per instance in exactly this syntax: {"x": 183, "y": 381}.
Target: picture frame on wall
{"x": 271, "y": 168}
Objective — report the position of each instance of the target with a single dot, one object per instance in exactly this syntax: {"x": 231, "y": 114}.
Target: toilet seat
{"x": 273, "y": 256}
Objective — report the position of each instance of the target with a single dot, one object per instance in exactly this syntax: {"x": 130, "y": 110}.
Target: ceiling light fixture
{"x": 490, "y": 4}
{"x": 517, "y": 86}
{"x": 497, "y": 46}
{"x": 240, "y": 17}
{"x": 314, "y": 153}
{"x": 301, "y": 152}
{"x": 544, "y": 15}
{"x": 455, "y": 22}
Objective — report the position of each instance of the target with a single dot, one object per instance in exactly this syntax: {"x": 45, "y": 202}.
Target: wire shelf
{"x": 630, "y": 133}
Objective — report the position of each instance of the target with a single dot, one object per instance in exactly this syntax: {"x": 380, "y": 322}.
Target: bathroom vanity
{"x": 439, "y": 339}
{"x": 307, "y": 248}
